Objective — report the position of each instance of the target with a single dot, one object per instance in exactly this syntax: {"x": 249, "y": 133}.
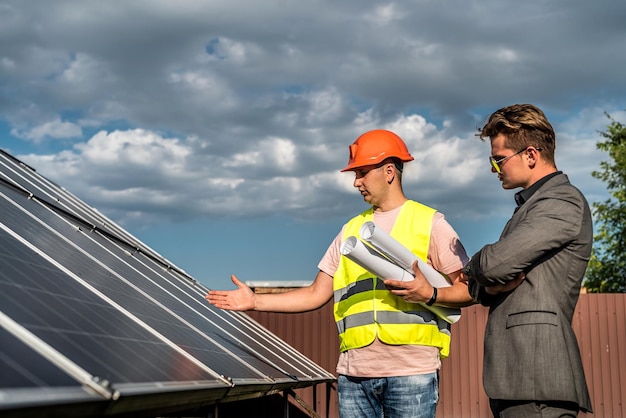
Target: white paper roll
{"x": 399, "y": 254}
{"x": 374, "y": 262}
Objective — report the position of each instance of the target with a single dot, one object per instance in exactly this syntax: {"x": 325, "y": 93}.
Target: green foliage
{"x": 607, "y": 268}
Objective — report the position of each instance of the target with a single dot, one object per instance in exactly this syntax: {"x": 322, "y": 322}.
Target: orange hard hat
{"x": 374, "y": 147}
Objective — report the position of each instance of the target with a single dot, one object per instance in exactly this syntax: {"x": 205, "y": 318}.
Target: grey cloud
{"x": 264, "y": 98}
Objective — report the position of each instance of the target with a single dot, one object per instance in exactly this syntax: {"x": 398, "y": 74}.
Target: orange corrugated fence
{"x": 599, "y": 322}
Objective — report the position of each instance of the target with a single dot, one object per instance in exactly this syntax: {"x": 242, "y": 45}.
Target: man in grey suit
{"x": 530, "y": 278}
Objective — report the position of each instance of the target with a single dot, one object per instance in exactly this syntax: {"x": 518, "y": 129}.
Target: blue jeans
{"x": 390, "y": 397}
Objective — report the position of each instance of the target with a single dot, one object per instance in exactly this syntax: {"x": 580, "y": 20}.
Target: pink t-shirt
{"x": 447, "y": 255}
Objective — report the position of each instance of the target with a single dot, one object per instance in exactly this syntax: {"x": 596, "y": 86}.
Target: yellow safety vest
{"x": 364, "y": 308}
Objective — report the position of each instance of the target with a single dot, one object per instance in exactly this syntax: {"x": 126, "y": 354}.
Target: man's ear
{"x": 390, "y": 172}
{"x": 533, "y": 156}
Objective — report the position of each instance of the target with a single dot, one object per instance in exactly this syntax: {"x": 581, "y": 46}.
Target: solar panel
{"x": 89, "y": 315}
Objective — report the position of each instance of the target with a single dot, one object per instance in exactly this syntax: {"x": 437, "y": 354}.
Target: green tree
{"x": 607, "y": 267}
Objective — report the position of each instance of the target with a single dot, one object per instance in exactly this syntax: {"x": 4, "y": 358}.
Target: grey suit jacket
{"x": 531, "y": 351}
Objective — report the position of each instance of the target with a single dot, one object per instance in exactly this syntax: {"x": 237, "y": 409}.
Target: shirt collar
{"x": 522, "y": 196}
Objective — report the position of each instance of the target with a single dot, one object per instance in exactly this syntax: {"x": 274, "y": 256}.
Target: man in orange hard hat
{"x": 391, "y": 345}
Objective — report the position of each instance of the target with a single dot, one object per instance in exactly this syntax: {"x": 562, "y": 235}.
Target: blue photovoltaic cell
{"x": 38, "y": 372}
{"x": 117, "y": 311}
{"x": 128, "y": 288}
{"x": 83, "y": 327}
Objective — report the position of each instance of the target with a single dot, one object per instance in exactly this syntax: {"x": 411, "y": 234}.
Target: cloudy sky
{"x": 214, "y": 131}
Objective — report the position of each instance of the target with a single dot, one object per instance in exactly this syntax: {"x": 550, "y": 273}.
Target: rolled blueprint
{"x": 399, "y": 254}
{"x": 374, "y": 262}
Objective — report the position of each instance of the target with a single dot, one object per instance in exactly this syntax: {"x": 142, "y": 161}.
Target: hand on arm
{"x": 421, "y": 291}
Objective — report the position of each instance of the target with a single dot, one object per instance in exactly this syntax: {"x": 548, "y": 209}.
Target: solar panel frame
{"x": 121, "y": 294}
{"x": 88, "y": 269}
{"x": 57, "y": 198}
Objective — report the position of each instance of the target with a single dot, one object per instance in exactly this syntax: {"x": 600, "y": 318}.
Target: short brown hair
{"x": 523, "y": 125}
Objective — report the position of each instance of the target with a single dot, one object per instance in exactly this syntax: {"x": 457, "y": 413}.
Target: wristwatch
{"x": 434, "y": 298}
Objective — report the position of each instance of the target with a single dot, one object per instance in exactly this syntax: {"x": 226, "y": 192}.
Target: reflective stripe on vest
{"x": 364, "y": 308}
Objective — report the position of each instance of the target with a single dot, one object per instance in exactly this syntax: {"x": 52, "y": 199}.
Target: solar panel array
{"x": 93, "y": 322}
